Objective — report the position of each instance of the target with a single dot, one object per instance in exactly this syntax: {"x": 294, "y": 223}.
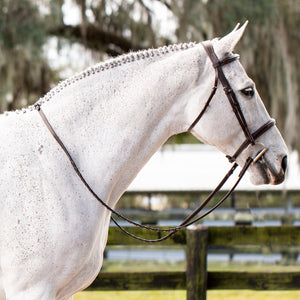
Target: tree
{"x": 270, "y": 53}
{"x": 24, "y": 73}
{"x": 269, "y": 50}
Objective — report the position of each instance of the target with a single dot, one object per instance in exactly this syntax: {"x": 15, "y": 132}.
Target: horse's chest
{"x": 46, "y": 231}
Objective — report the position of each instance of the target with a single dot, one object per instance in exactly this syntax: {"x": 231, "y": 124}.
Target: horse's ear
{"x": 227, "y": 43}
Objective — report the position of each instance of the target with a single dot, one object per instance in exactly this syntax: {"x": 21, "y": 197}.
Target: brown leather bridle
{"x": 220, "y": 76}
{"x": 250, "y": 140}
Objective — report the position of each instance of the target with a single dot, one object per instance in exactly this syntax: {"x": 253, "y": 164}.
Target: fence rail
{"x": 196, "y": 280}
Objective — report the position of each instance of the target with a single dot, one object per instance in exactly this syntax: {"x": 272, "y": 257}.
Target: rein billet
{"x": 250, "y": 141}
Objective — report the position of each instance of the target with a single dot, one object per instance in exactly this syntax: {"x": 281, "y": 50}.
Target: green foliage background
{"x": 269, "y": 49}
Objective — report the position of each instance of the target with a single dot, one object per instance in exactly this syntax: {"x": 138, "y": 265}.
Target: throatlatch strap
{"x": 214, "y": 89}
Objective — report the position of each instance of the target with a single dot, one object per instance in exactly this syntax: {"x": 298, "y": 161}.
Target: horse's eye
{"x": 248, "y": 91}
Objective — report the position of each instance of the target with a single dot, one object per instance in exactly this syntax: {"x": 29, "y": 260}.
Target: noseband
{"x": 249, "y": 141}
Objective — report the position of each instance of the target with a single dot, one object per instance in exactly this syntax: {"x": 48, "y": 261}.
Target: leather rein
{"x": 250, "y": 140}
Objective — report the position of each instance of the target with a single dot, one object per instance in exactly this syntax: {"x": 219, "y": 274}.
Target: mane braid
{"x": 106, "y": 65}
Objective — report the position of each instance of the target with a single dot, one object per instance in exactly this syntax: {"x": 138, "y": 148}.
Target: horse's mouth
{"x": 265, "y": 173}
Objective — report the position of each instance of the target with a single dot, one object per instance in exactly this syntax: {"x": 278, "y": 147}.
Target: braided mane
{"x": 106, "y": 65}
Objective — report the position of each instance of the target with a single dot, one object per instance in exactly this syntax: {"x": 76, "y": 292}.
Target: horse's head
{"x": 235, "y": 119}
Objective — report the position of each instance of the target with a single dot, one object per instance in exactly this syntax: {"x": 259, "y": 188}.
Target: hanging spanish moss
{"x": 269, "y": 49}
{"x": 24, "y": 73}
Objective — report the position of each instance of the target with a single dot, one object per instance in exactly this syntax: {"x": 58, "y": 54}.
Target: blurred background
{"x": 45, "y": 41}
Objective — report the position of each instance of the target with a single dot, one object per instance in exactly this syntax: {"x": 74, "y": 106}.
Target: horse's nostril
{"x": 284, "y": 163}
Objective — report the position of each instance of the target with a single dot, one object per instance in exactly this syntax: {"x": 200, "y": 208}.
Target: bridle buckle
{"x": 254, "y": 153}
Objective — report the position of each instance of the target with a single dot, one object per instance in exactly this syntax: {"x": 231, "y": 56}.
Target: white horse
{"x": 112, "y": 118}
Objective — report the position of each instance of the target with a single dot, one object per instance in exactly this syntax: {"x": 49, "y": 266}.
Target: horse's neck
{"x": 114, "y": 121}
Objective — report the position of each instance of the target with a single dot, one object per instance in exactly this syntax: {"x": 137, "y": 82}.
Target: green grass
{"x": 152, "y": 266}
{"x": 131, "y": 295}
{"x": 181, "y": 295}
{"x": 148, "y": 266}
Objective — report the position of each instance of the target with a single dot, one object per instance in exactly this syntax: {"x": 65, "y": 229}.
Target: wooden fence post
{"x": 196, "y": 254}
